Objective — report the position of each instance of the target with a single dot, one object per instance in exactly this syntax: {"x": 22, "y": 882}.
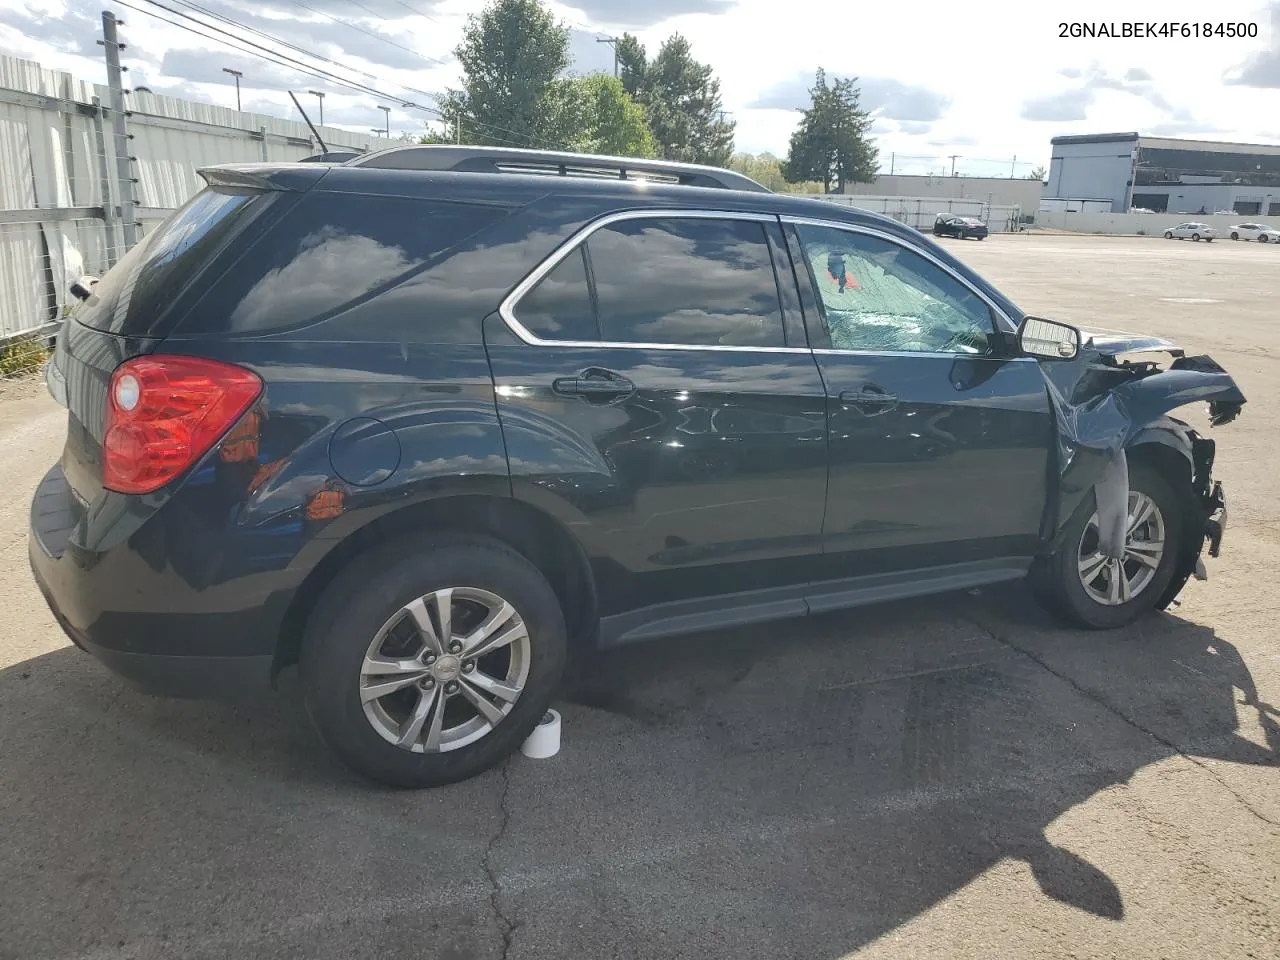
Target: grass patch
{"x": 22, "y": 357}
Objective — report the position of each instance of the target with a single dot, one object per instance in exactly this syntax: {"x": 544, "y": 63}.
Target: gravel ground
{"x": 955, "y": 778}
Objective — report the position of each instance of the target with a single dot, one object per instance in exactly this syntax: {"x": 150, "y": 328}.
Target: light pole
{"x": 237, "y": 74}
{"x": 320, "y": 94}
{"x": 387, "y": 111}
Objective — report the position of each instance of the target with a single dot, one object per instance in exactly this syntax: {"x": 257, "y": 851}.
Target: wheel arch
{"x": 531, "y": 532}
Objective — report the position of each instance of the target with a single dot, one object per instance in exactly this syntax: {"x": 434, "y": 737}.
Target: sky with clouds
{"x": 981, "y": 80}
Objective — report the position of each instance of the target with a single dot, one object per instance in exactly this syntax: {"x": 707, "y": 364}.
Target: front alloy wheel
{"x": 1100, "y": 592}
{"x": 1114, "y": 581}
{"x": 445, "y": 669}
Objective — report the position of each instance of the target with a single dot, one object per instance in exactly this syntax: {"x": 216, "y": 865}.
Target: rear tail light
{"x": 166, "y": 412}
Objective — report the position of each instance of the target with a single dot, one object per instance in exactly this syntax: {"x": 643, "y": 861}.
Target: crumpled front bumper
{"x": 1216, "y": 525}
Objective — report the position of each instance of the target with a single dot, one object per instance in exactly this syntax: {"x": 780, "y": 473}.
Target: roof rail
{"x": 467, "y": 159}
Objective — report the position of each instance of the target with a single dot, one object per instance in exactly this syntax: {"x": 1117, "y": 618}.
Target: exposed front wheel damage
{"x": 1107, "y": 410}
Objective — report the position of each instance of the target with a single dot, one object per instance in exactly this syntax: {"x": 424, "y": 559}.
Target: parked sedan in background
{"x": 1191, "y": 230}
{"x": 1256, "y": 231}
{"x": 949, "y": 225}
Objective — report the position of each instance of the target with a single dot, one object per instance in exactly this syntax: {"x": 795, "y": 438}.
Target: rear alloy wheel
{"x": 445, "y": 670}
{"x": 1195, "y": 236}
{"x": 1102, "y": 592}
{"x": 1168, "y": 234}
{"x": 1234, "y": 235}
{"x": 428, "y": 663}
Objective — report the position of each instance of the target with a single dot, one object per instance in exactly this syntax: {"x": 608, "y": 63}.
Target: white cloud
{"x": 955, "y": 78}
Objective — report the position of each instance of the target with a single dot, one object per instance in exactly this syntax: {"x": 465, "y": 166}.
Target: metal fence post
{"x": 119, "y": 135}
{"x": 104, "y": 178}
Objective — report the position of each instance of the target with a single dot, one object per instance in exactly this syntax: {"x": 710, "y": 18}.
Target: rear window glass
{"x": 330, "y": 253}
{"x": 134, "y": 294}
{"x": 560, "y": 307}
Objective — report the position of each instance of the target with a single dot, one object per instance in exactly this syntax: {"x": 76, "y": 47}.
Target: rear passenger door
{"x": 657, "y": 393}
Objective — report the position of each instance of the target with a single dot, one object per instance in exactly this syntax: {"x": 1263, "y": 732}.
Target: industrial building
{"x": 1166, "y": 175}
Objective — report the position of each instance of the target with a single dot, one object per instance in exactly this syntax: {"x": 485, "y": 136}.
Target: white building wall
{"x": 1130, "y": 224}
{"x": 1091, "y": 170}
{"x": 1003, "y": 191}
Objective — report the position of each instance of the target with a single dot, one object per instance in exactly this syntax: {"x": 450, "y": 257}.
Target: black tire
{"x": 1168, "y": 234}
{"x": 366, "y": 594}
{"x": 1262, "y": 238}
{"x": 1056, "y": 581}
{"x": 1235, "y": 236}
{"x": 1195, "y": 237}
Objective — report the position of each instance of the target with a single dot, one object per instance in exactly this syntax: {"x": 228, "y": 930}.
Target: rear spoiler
{"x": 289, "y": 178}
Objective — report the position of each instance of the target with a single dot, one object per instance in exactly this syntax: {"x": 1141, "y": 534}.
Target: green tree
{"x": 1037, "y": 174}
{"x": 511, "y": 54}
{"x": 599, "y": 116}
{"x": 832, "y": 143}
{"x": 766, "y": 170}
{"x": 633, "y": 64}
{"x": 681, "y": 98}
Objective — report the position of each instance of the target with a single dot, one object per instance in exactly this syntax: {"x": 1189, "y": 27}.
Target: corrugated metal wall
{"x": 54, "y": 139}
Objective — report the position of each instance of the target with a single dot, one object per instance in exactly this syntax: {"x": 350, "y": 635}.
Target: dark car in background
{"x": 953, "y": 225}
{"x": 432, "y": 421}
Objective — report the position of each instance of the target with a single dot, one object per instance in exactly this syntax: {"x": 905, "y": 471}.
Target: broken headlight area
{"x": 1116, "y": 395}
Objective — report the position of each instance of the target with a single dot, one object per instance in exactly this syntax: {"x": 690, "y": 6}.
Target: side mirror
{"x": 1048, "y": 339}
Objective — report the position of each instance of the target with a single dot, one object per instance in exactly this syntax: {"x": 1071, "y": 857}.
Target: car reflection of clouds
{"x": 331, "y": 267}
{"x": 744, "y": 376}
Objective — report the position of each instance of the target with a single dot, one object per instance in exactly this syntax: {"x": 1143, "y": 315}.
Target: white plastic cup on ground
{"x": 544, "y": 742}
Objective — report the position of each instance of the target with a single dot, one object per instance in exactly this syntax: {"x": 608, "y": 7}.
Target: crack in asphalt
{"x": 507, "y": 925}
{"x": 1120, "y": 714}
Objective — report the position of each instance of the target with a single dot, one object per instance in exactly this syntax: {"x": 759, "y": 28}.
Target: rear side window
{"x": 136, "y": 293}
{"x": 685, "y": 280}
{"x": 560, "y": 306}
{"x": 330, "y": 253}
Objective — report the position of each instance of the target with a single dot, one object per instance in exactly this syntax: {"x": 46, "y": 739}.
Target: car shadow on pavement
{"x": 796, "y": 789}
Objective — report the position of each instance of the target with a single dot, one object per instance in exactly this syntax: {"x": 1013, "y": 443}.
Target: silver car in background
{"x": 1261, "y": 232}
{"x": 1191, "y": 230}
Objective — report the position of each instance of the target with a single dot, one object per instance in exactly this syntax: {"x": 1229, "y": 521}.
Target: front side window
{"x": 685, "y": 280}
{"x": 878, "y": 295}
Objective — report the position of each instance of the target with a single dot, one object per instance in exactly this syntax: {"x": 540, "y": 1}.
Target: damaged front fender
{"x": 1105, "y": 405}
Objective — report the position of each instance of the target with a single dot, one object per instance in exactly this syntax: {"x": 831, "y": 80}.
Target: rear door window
{"x": 330, "y": 253}
{"x": 560, "y": 306}
{"x": 686, "y": 281}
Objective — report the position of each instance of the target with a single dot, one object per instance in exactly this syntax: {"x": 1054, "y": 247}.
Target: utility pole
{"x": 119, "y": 135}
{"x": 613, "y": 42}
{"x": 387, "y": 123}
{"x": 320, "y": 94}
{"x": 1013, "y": 167}
{"x": 237, "y": 74}
{"x": 953, "y": 163}
{"x": 892, "y": 158}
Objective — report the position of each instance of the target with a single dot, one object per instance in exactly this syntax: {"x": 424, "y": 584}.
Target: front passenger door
{"x": 938, "y": 445}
